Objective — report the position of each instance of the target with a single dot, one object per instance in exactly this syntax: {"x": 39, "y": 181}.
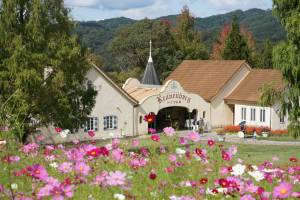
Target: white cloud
{"x": 225, "y": 4}
{"x": 110, "y": 4}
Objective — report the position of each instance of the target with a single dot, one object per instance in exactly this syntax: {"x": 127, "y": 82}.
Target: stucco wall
{"x": 155, "y": 103}
{"x": 110, "y": 101}
{"x": 221, "y": 113}
{"x": 275, "y": 119}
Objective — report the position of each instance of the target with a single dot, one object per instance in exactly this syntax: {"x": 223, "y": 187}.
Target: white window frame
{"x": 262, "y": 115}
{"x": 244, "y": 113}
{"x": 110, "y": 122}
{"x": 253, "y": 114}
{"x": 92, "y": 124}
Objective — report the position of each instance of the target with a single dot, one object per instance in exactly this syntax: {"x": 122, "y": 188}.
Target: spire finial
{"x": 150, "y": 54}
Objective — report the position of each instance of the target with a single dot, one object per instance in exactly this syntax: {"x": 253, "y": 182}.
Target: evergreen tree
{"x": 265, "y": 56}
{"x": 188, "y": 39}
{"x": 236, "y": 47}
{"x": 286, "y": 58}
{"x": 42, "y": 67}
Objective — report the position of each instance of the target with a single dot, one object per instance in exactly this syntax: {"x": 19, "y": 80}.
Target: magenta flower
{"x": 283, "y": 190}
{"x": 169, "y": 131}
{"x": 91, "y": 133}
{"x": 65, "y": 167}
{"x": 116, "y": 178}
{"x": 115, "y": 143}
{"x": 172, "y": 158}
{"x": 193, "y": 136}
{"x": 182, "y": 141}
{"x": 155, "y": 138}
{"x": 37, "y": 171}
{"x": 138, "y": 162}
{"x": 82, "y": 168}
{"x": 247, "y": 197}
{"x": 152, "y": 130}
{"x": 75, "y": 155}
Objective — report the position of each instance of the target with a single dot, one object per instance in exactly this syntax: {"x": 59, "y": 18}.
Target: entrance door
{"x": 172, "y": 116}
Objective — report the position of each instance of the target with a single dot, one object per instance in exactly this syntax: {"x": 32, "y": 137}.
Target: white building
{"x": 216, "y": 92}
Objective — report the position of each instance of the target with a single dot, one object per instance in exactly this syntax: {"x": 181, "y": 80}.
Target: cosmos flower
{"x": 91, "y": 133}
{"x": 116, "y": 178}
{"x": 169, "y": 131}
{"x": 155, "y": 138}
{"x": 65, "y": 167}
{"x": 119, "y": 196}
{"x": 135, "y": 143}
{"x": 283, "y": 190}
{"x": 210, "y": 142}
{"x": 37, "y": 171}
{"x": 82, "y": 168}
{"x": 118, "y": 155}
{"x": 193, "y": 136}
{"x": 150, "y": 118}
{"x": 238, "y": 170}
{"x": 247, "y": 197}
{"x": 152, "y": 175}
{"x": 293, "y": 159}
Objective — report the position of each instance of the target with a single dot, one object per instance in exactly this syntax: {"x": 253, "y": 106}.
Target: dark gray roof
{"x": 150, "y": 77}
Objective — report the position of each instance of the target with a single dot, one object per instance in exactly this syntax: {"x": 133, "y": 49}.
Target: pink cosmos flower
{"x": 155, "y": 138}
{"x": 101, "y": 178}
{"x": 152, "y": 130}
{"x": 135, "y": 143}
{"x": 37, "y": 171}
{"x": 224, "y": 171}
{"x": 115, "y": 142}
{"x": 1, "y": 188}
{"x": 75, "y": 154}
{"x": 118, "y": 155}
{"x": 138, "y": 162}
{"x": 116, "y": 178}
{"x": 172, "y": 158}
{"x": 65, "y": 167}
{"x": 10, "y": 159}
{"x": 30, "y": 148}
{"x": 144, "y": 151}
{"x": 56, "y": 191}
{"x": 247, "y": 197}
{"x": 169, "y": 131}
{"x": 193, "y": 136}
{"x": 82, "y": 168}
{"x": 283, "y": 190}
{"x": 275, "y": 158}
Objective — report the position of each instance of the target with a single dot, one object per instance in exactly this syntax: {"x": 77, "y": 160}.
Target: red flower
{"x": 149, "y": 118}
{"x": 58, "y": 130}
{"x": 152, "y": 176}
{"x": 210, "y": 142}
{"x": 223, "y": 182}
{"x": 293, "y": 159}
{"x": 215, "y": 191}
{"x": 203, "y": 181}
{"x": 155, "y": 138}
{"x": 104, "y": 151}
{"x": 94, "y": 152}
{"x": 91, "y": 133}
{"x": 198, "y": 152}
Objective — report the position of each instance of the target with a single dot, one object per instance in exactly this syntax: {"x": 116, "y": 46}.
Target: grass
{"x": 285, "y": 138}
{"x": 141, "y": 186}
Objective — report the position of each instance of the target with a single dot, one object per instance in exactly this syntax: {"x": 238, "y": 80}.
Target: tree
{"x": 187, "y": 38}
{"x": 286, "y": 58}
{"x": 265, "y": 56}
{"x": 236, "y": 47}
{"x": 219, "y": 45}
{"x": 130, "y": 47}
{"x": 42, "y": 67}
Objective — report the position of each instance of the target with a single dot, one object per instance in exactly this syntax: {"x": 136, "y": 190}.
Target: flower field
{"x": 161, "y": 166}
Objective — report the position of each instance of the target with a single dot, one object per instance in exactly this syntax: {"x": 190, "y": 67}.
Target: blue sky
{"x": 85, "y": 10}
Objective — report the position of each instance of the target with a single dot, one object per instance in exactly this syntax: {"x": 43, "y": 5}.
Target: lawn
{"x": 158, "y": 168}
{"x": 285, "y": 138}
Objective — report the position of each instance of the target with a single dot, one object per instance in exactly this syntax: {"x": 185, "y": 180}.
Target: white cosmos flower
{"x": 14, "y": 186}
{"x": 64, "y": 133}
{"x": 180, "y": 151}
{"x": 257, "y": 175}
{"x": 238, "y": 169}
{"x": 209, "y": 191}
{"x": 119, "y": 196}
{"x": 54, "y": 165}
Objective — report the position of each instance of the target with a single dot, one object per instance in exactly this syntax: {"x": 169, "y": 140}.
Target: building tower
{"x": 150, "y": 77}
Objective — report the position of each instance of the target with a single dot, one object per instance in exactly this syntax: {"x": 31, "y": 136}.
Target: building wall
{"x": 222, "y": 113}
{"x": 109, "y": 101}
{"x": 272, "y": 119}
{"x": 151, "y": 104}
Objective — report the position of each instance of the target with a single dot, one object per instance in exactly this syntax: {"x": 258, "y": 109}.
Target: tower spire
{"x": 150, "y": 54}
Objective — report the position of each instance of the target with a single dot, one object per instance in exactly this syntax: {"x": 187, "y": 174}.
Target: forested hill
{"x": 263, "y": 25}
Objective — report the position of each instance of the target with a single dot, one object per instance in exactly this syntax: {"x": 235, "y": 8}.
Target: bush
{"x": 232, "y": 129}
{"x": 278, "y": 132}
